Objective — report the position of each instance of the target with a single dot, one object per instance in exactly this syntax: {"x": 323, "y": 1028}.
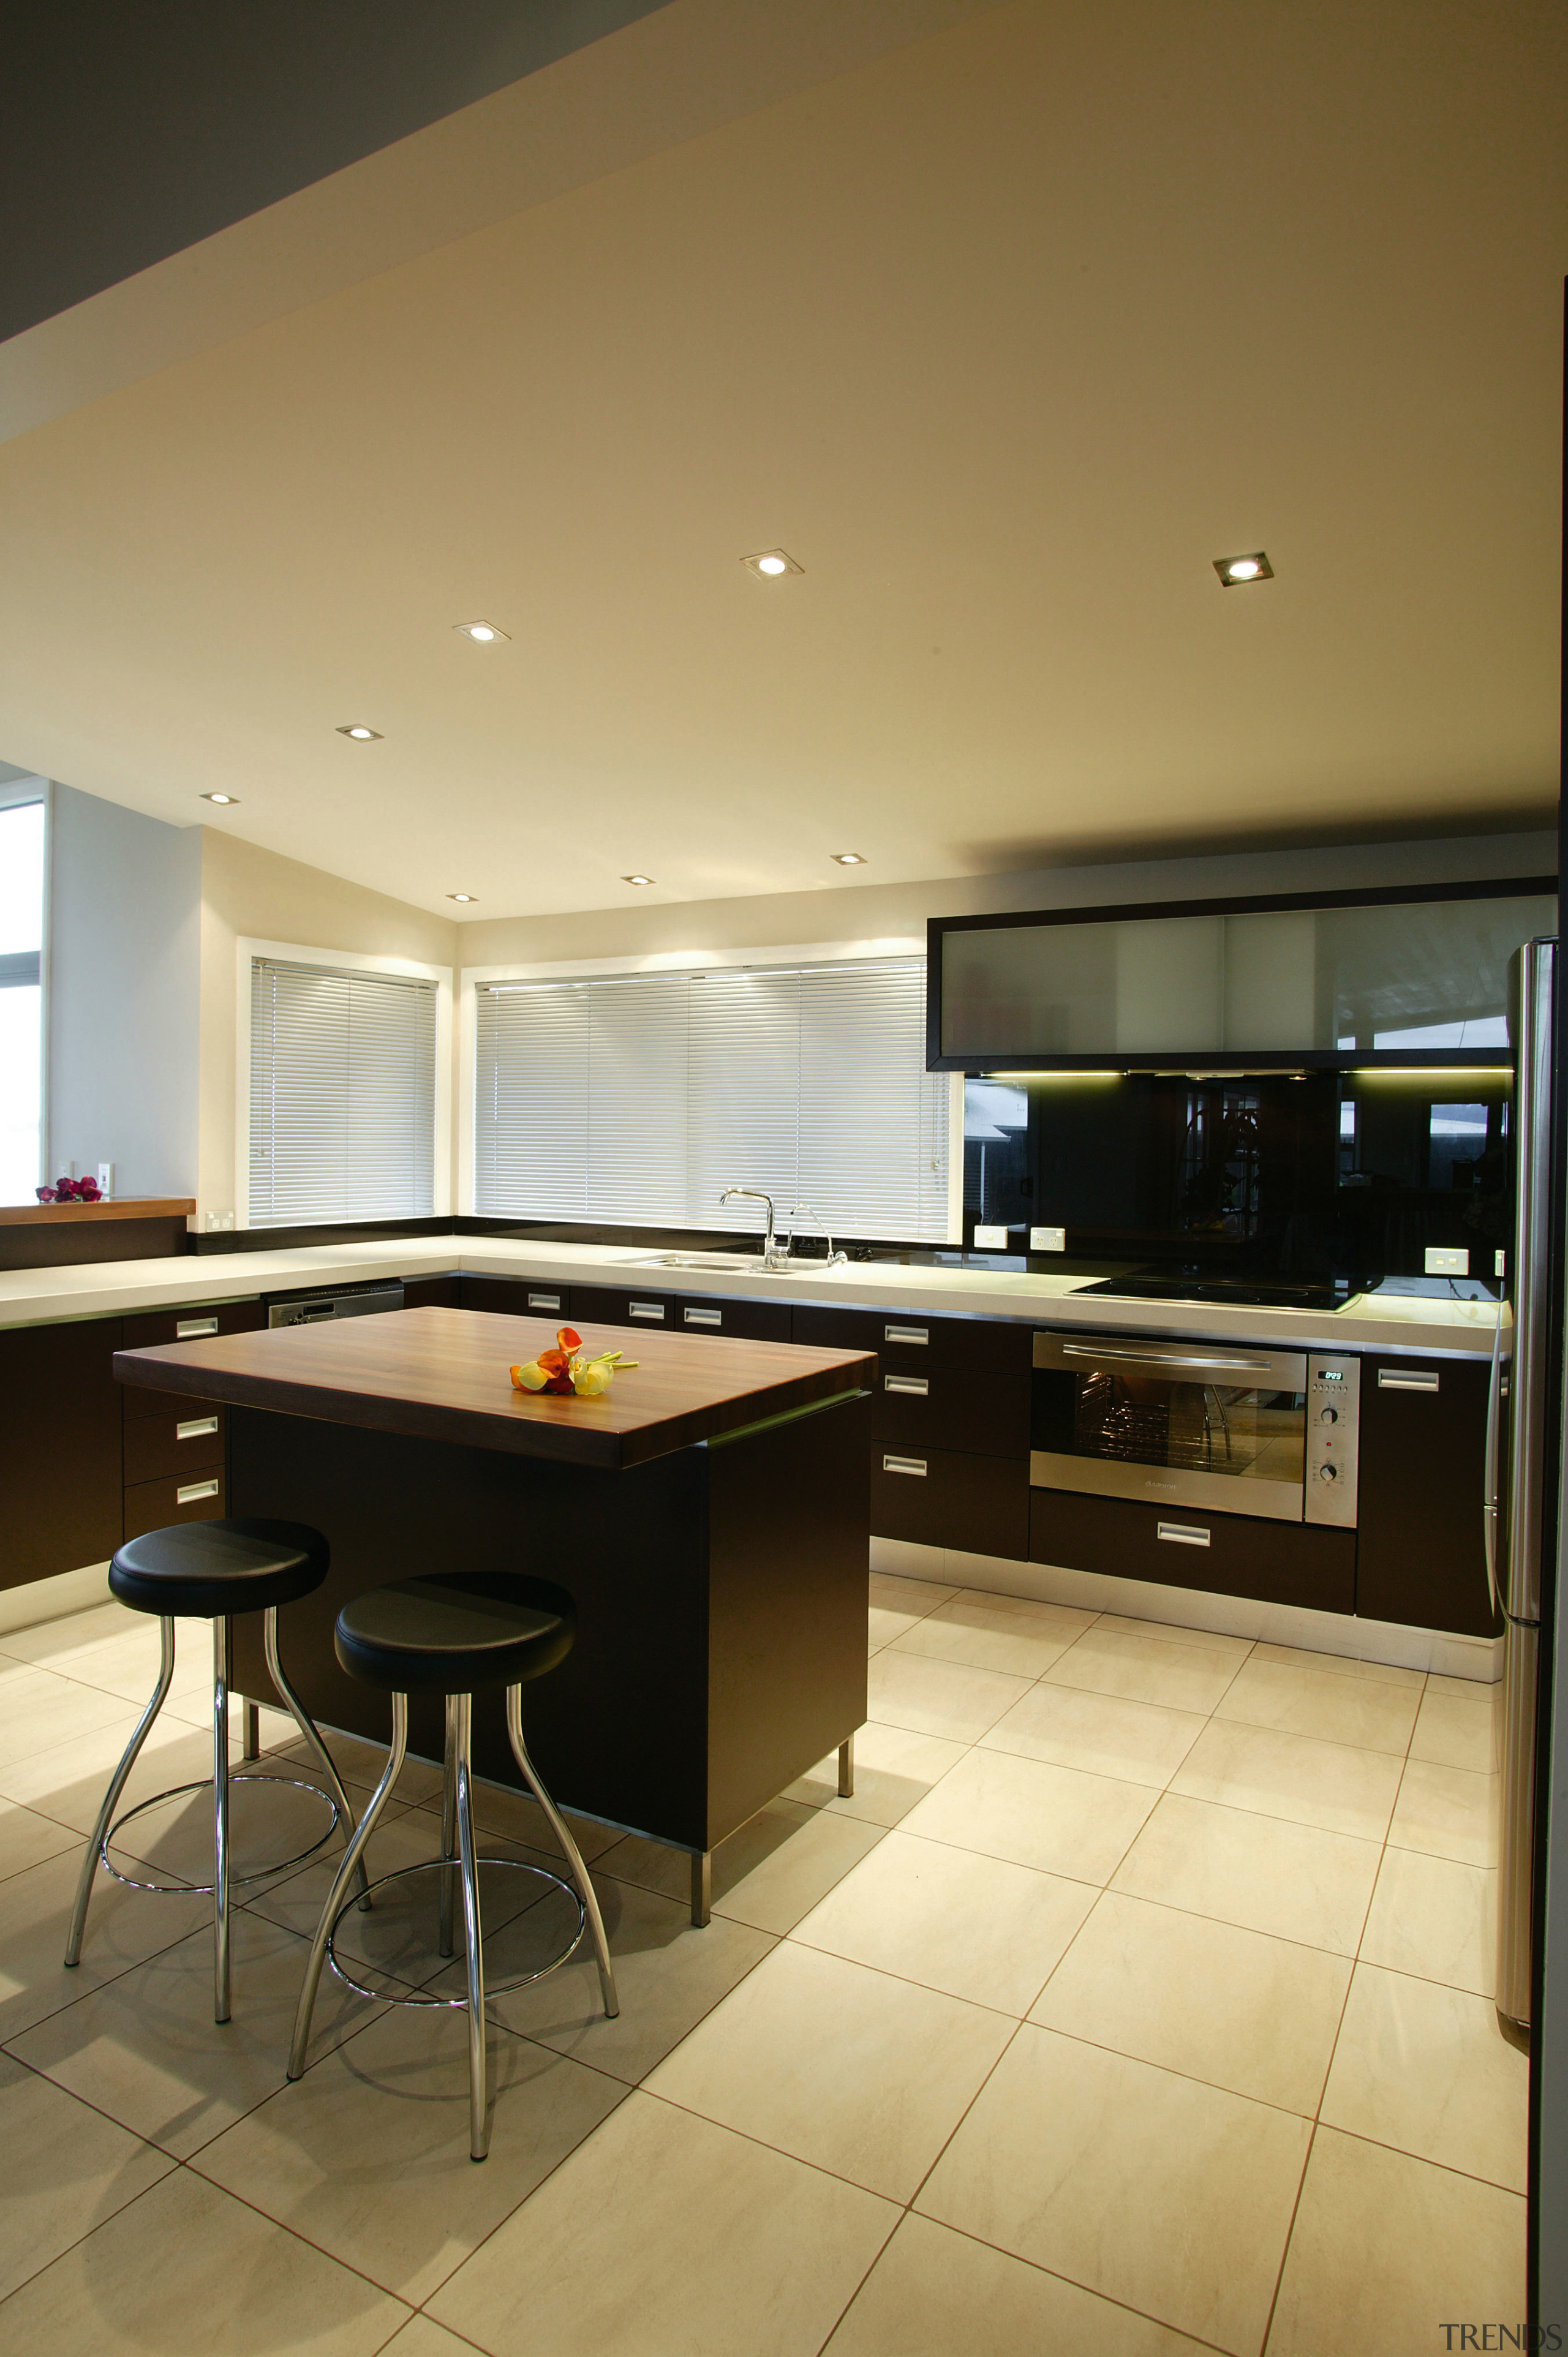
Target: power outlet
{"x": 106, "y": 1179}
{"x": 1447, "y": 1260}
{"x": 1047, "y": 1240}
{"x": 217, "y": 1222}
{"x": 990, "y": 1240}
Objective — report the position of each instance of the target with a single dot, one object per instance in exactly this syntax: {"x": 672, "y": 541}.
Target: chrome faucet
{"x": 771, "y": 1256}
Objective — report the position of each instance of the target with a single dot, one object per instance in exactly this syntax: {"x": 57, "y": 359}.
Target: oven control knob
{"x": 1328, "y": 1472}
{"x": 1327, "y": 1415}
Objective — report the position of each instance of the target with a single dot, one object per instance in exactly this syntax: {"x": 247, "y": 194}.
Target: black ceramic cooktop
{"x": 1242, "y": 1292}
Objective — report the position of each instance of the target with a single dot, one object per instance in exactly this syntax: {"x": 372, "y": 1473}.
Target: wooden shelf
{"x": 120, "y": 1207}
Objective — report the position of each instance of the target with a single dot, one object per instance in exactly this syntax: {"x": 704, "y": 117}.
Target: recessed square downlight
{"x": 771, "y": 563}
{"x": 1235, "y": 572}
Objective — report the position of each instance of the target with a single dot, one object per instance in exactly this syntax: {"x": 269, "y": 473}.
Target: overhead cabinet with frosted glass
{"x": 1416, "y": 976}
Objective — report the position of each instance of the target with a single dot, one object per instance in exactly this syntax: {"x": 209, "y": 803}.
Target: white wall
{"x": 123, "y": 979}
{"x": 247, "y": 893}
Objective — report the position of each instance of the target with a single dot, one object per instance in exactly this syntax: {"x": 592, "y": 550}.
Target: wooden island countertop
{"x": 445, "y": 1374}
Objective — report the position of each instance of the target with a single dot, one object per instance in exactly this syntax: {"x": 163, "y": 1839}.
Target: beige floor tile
{"x": 146, "y": 2049}
{"x": 1426, "y": 2067}
{"x": 364, "y": 1763}
{"x": 938, "y": 1697}
{"x": 1148, "y": 2187}
{"x": 68, "y": 1780}
{"x": 1035, "y": 1814}
{"x": 39, "y": 1711}
{"x": 1386, "y": 2248}
{"x": 1173, "y": 1632}
{"x": 845, "y": 2068}
{"x": 1143, "y": 1980}
{"x": 769, "y": 1874}
{"x": 63, "y": 2170}
{"x": 661, "y": 2234}
{"x": 518, "y": 1815}
{"x": 892, "y": 1769}
{"x": 27, "y": 1839}
{"x": 897, "y": 1605}
{"x": 122, "y": 1927}
{"x": 368, "y": 2155}
{"x": 1453, "y": 1728}
{"x": 1294, "y": 1776}
{"x": 274, "y": 1815}
{"x": 997, "y": 1633}
{"x": 1073, "y": 1728}
{"x": 1365, "y": 1712}
{"x": 1340, "y": 1665}
{"x": 668, "y": 1975}
{"x": 937, "y": 2294}
{"x": 1447, "y": 1813}
{"x": 184, "y": 2270}
{"x": 1297, "y": 1882}
{"x": 1144, "y": 1669}
{"x": 973, "y": 1927}
{"x": 56, "y": 1642}
{"x": 128, "y": 1662}
{"x": 423, "y": 2337}
{"x": 1436, "y": 1919}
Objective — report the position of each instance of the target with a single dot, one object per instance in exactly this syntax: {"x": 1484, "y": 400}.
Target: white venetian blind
{"x": 638, "y": 1098}
{"x": 343, "y": 1094}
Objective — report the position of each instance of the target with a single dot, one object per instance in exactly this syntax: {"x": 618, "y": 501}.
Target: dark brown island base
{"x": 709, "y": 1513}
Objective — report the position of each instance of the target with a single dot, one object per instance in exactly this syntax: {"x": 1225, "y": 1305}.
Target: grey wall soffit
{"x": 611, "y": 82}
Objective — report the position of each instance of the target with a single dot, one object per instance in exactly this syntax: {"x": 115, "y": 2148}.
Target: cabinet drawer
{"x": 1420, "y": 1556}
{"x": 750, "y": 1321}
{"x": 196, "y": 1497}
{"x": 504, "y": 1297}
{"x": 616, "y": 1305}
{"x": 1177, "y": 1546}
{"x": 187, "y": 1436}
{"x": 957, "y": 1408}
{"x": 61, "y": 1474}
{"x": 193, "y": 1323}
{"x": 943, "y": 1499}
{"x": 907, "y": 1339}
{"x": 432, "y": 1292}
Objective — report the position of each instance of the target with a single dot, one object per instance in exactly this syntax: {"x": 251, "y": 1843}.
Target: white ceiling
{"x": 1004, "y": 335}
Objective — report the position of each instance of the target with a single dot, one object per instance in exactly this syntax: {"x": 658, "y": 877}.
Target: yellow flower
{"x": 531, "y": 1378}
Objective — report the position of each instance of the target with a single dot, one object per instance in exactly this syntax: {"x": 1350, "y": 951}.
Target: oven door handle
{"x": 1162, "y": 1359}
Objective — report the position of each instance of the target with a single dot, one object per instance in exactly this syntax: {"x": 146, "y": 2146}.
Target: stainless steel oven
{"x": 1219, "y": 1426}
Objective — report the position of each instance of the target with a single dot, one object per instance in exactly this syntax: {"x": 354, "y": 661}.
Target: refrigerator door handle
{"x": 1490, "y": 1492}
{"x": 1532, "y": 1045}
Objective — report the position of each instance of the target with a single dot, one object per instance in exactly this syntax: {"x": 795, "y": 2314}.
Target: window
{"x": 638, "y": 1098}
{"x": 343, "y": 1094}
{"x": 21, "y": 1000}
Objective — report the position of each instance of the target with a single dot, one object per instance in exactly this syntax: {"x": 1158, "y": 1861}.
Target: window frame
{"x": 774, "y": 954}
{"x": 17, "y": 793}
{"x": 247, "y": 950}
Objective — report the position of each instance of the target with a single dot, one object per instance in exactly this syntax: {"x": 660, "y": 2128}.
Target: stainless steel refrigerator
{"x": 1517, "y": 1526}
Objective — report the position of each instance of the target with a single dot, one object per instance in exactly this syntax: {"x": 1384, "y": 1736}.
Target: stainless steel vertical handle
{"x": 1489, "y": 1477}
{"x": 1530, "y": 1264}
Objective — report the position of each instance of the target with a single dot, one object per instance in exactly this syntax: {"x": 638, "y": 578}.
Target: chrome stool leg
{"x": 311, "y": 1733}
{"x": 449, "y": 1829}
{"x": 351, "y": 1858}
{"x": 116, "y": 1786}
{"x": 473, "y": 1933}
{"x": 573, "y": 1854}
{"x": 222, "y": 1634}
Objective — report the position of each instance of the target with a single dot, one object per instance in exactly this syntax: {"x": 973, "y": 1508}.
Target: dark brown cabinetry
{"x": 943, "y": 1499}
{"x": 432, "y": 1292}
{"x": 512, "y": 1297}
{"x": 60, "y": 1477}
{"x": 1177, "y": 1546}
{"x": 1420, "y": 1556}
{"x": 174, "y": 1446}
{"x": 622, "y": 1304}
{"x": 902, "y": 1339}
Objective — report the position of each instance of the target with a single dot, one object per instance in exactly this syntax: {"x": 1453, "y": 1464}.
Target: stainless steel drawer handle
{"x": 904, "y": 1465}
{"x": 1182, "y": 1533}
{"x": 906, "y": 1333}
{"x": 1107, "y": 1351}
{"x": 704, "y": 1317}
{"x": 645, "y": 1310}
{"x": 916, "y": 1386}
{"x": 189, "y": 1494}
{"x": 544, "y": 1301}
{"x": 186, "y": 1329}
{"x": 197, "y": 1428}
{"x": 1419, "y": 1379}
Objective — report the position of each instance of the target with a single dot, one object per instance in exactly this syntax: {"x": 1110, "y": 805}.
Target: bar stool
{"x": 210, "y": 1571}
{"x": 456, "y": 1636}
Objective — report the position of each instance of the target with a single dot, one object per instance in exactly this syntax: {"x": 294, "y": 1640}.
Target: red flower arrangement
{"x": 565, "y": 1371}
{"x": 70, "y": 1190}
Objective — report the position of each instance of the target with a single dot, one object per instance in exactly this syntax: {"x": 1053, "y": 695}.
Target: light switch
{"x": 1047, "y": 1240}
{"x": 990, "y": 1240}
{"x": 1447, "y": 1260}
{"x": 106, "y": 1179}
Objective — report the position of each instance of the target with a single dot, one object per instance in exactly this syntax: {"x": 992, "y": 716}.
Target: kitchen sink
{"x": 750, "y": 1263}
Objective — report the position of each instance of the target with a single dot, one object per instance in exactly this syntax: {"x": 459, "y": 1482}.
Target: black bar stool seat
{"x": 456, "y": 1635}
{"x": 210, "y": 1571}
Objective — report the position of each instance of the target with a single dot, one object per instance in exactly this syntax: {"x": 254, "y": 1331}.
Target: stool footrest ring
{"x": 204, "y": 1784}
{"x": 496, "y": 1988}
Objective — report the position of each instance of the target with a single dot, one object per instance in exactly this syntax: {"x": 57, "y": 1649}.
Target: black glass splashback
{"x": 1326, "y": 1179}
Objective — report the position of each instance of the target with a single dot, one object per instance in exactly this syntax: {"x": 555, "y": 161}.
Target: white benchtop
{"x": 1419, "y": 1325}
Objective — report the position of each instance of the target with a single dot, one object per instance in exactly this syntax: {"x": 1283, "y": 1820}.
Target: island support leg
{"x": 702, "y": 1886}
{"x": 846, "y": 1769}
{"x": 252, "y": 1745}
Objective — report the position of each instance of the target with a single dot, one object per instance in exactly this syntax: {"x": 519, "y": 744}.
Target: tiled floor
{"x": 1137, "y": 2002}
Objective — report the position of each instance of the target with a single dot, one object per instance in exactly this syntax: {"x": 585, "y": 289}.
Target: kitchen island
{"x": 709, "y": 1515}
